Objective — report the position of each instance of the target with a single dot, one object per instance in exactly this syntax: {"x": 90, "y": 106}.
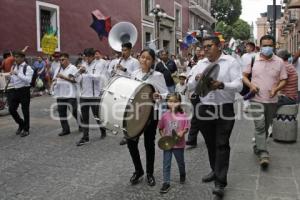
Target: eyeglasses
{"x": 208, "y": 46}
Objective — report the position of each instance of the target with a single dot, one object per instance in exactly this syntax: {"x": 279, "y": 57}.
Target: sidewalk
{"x": 45, "y": 166}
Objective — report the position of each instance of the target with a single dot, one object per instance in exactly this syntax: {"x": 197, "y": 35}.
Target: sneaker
{"x": 136, "y": 178}
{"x": 165, "y": 188}
{"x": 83, "y": 141}
{"x": 24, "y": 134}
{"x": 264, "y": 163}
{"x": 182, "y": 179}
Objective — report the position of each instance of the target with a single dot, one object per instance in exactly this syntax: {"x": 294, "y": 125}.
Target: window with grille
{"x": 47, "y": 15}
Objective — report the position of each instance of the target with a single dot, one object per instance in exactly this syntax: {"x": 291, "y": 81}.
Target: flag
{"x": 101, "y": 24}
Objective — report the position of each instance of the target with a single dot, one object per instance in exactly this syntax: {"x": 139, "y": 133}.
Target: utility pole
{"x": 274, "y": 21}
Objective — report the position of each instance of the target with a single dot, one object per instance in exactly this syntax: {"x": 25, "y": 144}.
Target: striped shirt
{"x": 291, "y": 88}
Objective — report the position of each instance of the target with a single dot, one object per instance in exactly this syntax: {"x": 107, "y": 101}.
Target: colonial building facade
{"x": 287, "y": 28}
{"x": 25, "y": 22}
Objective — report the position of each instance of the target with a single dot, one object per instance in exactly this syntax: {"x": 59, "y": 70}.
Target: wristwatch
{"x": 221, "y": 86}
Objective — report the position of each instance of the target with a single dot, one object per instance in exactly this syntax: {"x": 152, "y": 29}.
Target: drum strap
{"x": 147, "y": 75}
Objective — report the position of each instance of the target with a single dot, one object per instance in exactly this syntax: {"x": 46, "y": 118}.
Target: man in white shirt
{"x": 92, "y": 79}
{"x": 20, "y": 80}
{"x": 55, "y": 65}
{"x": 65, "y": 92}
{"x": 215, "y": 114}
{"x": 247, "y": 57}
{"x": 126, "y": 63}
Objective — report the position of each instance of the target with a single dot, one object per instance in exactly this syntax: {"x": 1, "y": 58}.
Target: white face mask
{"x": 267, "y": 51}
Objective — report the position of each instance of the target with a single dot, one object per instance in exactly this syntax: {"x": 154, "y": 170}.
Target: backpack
{"x": 34, "y": 76}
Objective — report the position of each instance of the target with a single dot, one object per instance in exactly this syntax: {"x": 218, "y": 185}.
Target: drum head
{"x": 138, "y": 111}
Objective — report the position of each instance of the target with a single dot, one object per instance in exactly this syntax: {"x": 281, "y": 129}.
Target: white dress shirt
{"x": 246, "y": 59}
{"x": 131, "y": 64}
{"x": 54, "y": 66}
{"x": 20, "y": 79}
{"x": 156, "y": 79}
{"x": 230, "y": 74}
{"x": 64, "y": 88}
{"x": 93, "y": 80}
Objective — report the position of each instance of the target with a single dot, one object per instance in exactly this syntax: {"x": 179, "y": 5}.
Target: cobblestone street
{"x": 45, "y": 166}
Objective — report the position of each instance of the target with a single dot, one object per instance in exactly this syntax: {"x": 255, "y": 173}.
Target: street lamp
{"x": 158, "y": 13}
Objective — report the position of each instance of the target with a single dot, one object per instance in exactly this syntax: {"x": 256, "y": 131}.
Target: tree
{"x": 239, "y": 30}
{"x": 228, "y": 11}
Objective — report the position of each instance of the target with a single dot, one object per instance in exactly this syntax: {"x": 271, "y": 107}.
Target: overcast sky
{"x": 251, "y": 10}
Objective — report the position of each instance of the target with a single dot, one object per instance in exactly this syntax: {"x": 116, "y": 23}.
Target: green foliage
{"x": 228, "y": 11}
{"x": 239, "y": 30}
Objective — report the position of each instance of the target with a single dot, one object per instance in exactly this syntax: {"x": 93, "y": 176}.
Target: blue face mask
{"x": 290, "y": 59}
{"x": 267, "y": 51}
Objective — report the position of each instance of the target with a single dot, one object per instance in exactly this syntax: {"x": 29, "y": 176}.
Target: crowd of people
{"x": 271, "y": 77}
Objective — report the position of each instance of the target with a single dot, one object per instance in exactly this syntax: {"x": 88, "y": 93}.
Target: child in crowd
{"x": 181, "y": 87}
{"x": 173, "y": 120}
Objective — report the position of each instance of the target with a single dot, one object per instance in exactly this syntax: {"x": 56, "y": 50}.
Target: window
{"x": 47, "y": 16}
{"x": 148, "y": 6}
{"x": 178, "y": 18}
{"x": 148, "y": 37}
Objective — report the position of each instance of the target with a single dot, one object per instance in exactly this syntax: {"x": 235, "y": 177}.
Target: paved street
{"x": 45, "y": 166}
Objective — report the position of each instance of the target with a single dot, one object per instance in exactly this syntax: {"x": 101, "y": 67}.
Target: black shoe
{"x": 123, "y": 141}
{"x": 83, "y": 141}
{"x": 209, "y": 177}
{"x": 151, "y": 180}
{"x": 219, "y": 191}
{"x": 165, "y": 188}
{"x": 19, "y": 131}
{"x": 103, "y": 133}
{"x": 191, "y": 143}
{"x": 182, "y": 179}
{"x": 64, "y": 133}
{"x": 24, "y": 134}
{"x": 136, "y": 178}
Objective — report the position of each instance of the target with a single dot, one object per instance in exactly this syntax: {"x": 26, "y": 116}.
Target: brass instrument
{"x": 168, "y": 142}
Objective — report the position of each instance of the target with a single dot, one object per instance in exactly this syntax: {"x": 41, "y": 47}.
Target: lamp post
{"x": 158, "y": 13}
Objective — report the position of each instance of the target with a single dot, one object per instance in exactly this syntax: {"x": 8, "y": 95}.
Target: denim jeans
{"x": 179, "y": 156}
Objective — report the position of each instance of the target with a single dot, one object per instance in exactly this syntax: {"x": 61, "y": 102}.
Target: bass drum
{"x": 126, "y": 105}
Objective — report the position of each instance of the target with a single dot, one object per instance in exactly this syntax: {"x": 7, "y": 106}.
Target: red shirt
{"x": 7, "y": 63}
{"x": 291, "y": 88}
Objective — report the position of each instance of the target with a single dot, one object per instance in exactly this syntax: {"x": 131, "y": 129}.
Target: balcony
{"x": 201, "y": 12}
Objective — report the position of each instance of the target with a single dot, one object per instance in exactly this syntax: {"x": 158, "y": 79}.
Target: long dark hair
{"x": 177, "y": 96}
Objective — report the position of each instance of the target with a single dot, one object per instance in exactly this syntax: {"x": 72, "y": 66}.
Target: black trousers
{"x": 85, "y": 105}
{"x": 194, "y": 130}
{"x": 216, "y": 132}
{"x": 15, "y": 97}
{"x": 62, "y": 106}
{"x": 149, "y": 143}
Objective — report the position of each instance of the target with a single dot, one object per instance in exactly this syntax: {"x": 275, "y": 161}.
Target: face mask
{"x": 267, "y": 51}
{"x": 290, "y": 59}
